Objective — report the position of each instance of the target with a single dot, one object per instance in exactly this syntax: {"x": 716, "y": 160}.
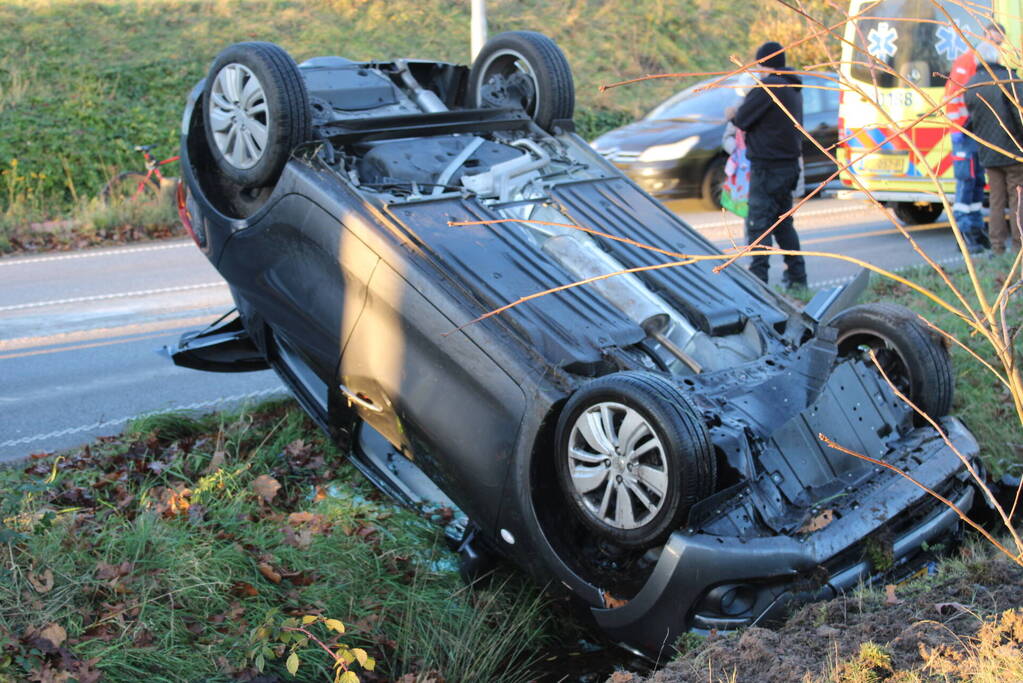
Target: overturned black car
{"x": 647, "y": 441}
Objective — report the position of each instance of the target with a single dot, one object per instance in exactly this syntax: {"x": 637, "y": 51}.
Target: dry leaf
{"x": 889, "y": 595}
{"x": 105, "y": 572}
{"x": 171, "y": 502}
{"x": 54, "y": 635}
{"x": 244, "y": 590}
{"x": 216, "y": 462}
{"x": 296, "y": 518}
{"x": 301, "y": 539}
{"x": 42, "y": 583}
{"x": 266, "y": 487}
{"x": 268, "y": 572}
{"x": 825, "y": 518}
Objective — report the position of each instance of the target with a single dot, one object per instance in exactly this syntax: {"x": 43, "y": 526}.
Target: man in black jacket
{"x": 996, "y": 119}
{"x": 774, "y": 146}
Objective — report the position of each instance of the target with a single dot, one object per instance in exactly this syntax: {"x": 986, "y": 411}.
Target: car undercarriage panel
{"x": 711, "y": 301}
{"x": 494, "y": 266}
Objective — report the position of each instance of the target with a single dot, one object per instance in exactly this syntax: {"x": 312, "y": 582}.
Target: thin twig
{"x": 955, "y": 340}
{"x": 1018, "y": 559}
{"x": 966, "y": 461}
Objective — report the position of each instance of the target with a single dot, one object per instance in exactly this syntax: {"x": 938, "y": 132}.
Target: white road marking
{"x": 121, "y": 420}
{"x": 108, "y": 333}
{"x": 15, "y": 261}
{"x": 739, "y": 222}
{"x": 103, "y": 297}
{"x": 947, "y": 261}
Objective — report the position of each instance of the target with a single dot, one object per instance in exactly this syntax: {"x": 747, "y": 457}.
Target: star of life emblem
{"x": 949, "y": 44}
{"x": 881, "y": 41}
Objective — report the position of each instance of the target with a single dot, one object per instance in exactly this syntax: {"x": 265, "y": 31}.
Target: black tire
{"x": 280, "y": 108}
{"x": 685, "y": 460}
{"x": 713, "y": 181}
{"x": 523, "y": 69}
{"x": 913, "y": 357}
{"x": 125, "y": 187}
{"x": 909, "y": 213}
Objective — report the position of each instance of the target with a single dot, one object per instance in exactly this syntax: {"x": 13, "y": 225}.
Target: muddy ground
{"x": 910, "y": 623}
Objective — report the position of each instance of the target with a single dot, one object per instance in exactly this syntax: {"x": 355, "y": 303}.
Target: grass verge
{"x": 157, "y": 554}
{"x": 71, "y": 114}
{"x": 981, "y": 401}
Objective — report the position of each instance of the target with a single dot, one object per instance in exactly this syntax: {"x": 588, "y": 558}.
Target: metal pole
{"x": 478, "y": 27}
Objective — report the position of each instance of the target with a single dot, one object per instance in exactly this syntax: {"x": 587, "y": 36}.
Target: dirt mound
{"x": 933, "y": 615}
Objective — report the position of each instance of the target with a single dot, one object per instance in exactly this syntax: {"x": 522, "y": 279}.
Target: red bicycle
{"x": 130, "y": 185}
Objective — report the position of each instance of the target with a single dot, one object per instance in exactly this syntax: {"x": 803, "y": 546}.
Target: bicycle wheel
{"x": 130, "y": 186}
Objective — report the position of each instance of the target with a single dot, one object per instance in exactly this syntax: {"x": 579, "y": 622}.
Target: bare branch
{"x": 1017, "y": 558}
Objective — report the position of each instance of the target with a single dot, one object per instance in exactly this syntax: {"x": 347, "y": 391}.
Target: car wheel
{"x": 256, "y": 111}
{"x": 911, "y": 214}
{"x": 713, "y": 182}
{"x": 913, "y": 357}
{"x": 129, "y": 186}
{"x": 632, "y": 458}
{"x": 523, "y": 69}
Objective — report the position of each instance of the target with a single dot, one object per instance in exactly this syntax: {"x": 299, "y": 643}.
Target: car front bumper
{"x": 700, "y": 577}
{"x": 665, "y": 179}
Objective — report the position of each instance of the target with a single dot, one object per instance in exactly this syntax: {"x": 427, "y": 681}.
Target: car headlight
{"x": 675, "y": 150}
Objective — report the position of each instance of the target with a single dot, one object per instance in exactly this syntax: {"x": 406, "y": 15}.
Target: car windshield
{"x": 915, "y": 40}
{"x": 702, "y": 102}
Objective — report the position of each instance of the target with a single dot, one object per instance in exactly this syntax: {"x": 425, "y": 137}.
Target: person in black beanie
{"x": 774, "y": 146}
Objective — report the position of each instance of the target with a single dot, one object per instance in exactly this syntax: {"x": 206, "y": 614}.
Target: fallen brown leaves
{"x": 42, "y": 583}
{"x": 48, "y": 638}
{"x": 67, "y": 235}
{"x": 268, "y": 572}
{"x": 266, "y": 488}
{"x": 302, "y": 527}
{"x": 170, "y": 501}
{"x": 175, "y": 485}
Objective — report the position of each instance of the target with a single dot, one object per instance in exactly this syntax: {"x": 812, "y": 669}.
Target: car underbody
{"x": 367, "y": 274}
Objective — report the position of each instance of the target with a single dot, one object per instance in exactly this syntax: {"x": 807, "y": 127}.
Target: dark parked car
{"x": 646, "y": 442}
{"x": 675, "y": 152}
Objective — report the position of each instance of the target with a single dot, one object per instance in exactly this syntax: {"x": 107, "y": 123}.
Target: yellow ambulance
{"x": 895, "y": 59}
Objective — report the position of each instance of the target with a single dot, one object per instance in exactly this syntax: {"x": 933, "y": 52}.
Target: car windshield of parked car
{"x": 705, "y": 100}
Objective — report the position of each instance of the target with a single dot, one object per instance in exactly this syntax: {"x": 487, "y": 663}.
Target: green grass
{"x": 147, "y": 550}
{"x": 980, "y": 399}
{"x": 81, "y": 81}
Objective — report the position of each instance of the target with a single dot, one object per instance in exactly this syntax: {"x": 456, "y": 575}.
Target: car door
{"x": 820, "y": 119}
{"x": 305, "y": 273}
{"x": 431, "y": 390}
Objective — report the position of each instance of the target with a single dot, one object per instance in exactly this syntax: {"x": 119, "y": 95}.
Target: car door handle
{"x": 359, "y": 400}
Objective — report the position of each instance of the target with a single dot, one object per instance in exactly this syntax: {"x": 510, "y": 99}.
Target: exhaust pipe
{"x": 583, "y": 260}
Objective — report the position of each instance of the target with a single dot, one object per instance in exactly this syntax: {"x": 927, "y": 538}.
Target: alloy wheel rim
{"x": 617, "y": 466}
{"x": 239, "y": 116}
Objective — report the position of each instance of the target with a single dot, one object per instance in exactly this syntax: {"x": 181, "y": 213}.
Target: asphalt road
{"x": 80, "y": 333}
{"x": 80, "y": 336}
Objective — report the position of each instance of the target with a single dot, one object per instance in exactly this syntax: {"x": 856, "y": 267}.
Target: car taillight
{"x": 184, "y": 215}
